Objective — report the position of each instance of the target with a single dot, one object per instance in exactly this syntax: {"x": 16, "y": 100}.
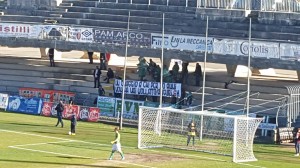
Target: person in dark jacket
{"x": 73, "y": 123}
{"x": 51, "y": 57}
{"x": 90, "y": 54}
{"x": 101, "y": 91}
{"x": 96, "y": 75}
{"x": 59, "y": 108}
{"x": 198, "y": 74}
{"x": 110, "y": 74}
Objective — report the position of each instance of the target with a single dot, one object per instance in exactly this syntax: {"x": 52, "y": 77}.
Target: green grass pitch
{"x": 28, "y": 141}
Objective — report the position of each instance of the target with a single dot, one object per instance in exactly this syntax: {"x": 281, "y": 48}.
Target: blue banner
{"x": 24, "y": 105}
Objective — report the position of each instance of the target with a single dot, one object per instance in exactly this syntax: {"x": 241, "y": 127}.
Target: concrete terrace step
{"x": 157, "y": 2}
{"x": 141, "y": 13}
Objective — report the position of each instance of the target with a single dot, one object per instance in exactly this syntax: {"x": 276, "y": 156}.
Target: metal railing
{"x": 258, "y": 5}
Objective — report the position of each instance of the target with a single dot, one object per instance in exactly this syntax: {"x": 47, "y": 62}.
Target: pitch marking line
{"x": 24, "y": 133}
{"x": 62, "y": 154}
{"x": 44, "y": 143}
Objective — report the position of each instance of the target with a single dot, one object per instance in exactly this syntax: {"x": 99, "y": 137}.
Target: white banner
{"x": 240, "y": 48}
{"x": 3, "y": 100}
{"x": 14, "y": 30}
{"x": 77, "y": 34}
{"x": 289, "y": 52}
{"x": 147, "y": 88}
{"x": 181, "y": 42}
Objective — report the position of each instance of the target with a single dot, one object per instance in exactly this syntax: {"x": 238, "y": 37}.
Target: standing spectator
{"x": 156, "y": 74}
{"x": 96, "y": 74}
{"x": 189, "y": 98}
{"x": 151, "y": 67}
{"x": 51, "y": 57}
{"x": 185, "y": 73}
{"x": 198, "y": 74}
{"x": 173, "y": 100}
{"x": 90, "y": 54}
{"x": 297, "y": 142}
{"x": 73, "y": 123}
{"x": 109, "y": 75}
{"x": 71, "y": 102}
{"x": 175, "y": 70}
{"x": 101, "y": 91}
{"x": 59, "y": 108}
{"x": 102, "y": 61}
{"x": 142, "y": 68}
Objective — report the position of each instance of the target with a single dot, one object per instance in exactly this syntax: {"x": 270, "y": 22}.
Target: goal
{"x": 217, "y": 133}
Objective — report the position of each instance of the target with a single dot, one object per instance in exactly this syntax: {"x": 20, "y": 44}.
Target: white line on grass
{"x": 62, "y": 154}
{"x": 99, "y": 144}
{"x": 54, "y": 153}
{"x": 44, "y": 143}
{"x": 77, "y": 156}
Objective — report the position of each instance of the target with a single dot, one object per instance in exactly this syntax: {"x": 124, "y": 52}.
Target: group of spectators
{"x": 173, "y": 75}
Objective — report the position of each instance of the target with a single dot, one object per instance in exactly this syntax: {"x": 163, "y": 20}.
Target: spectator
{"x": 175, "y": 70}
{"x": 96, "y": 74}
{"x": 173, "y": 99}
{"x": 142, "y": 67}
{"x": 109, "y": 75}
{"x": 185, "y": 73}
{"x": 51, "y": 57}
{"x": 156, "y": 74}
{"x": 90, "y": 54}
{"x": 189, "y": 98}
{"x": 198, "y": 74}
{"x": 71, "y": 102}
{"x": 151, "y": 67}
{"x": 59, "y": 108}
{"x": 102, "y": 61}
{"x": 101, "y": 91}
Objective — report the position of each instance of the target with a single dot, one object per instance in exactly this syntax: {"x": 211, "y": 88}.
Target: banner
{"x": 148, "y": 88}
{"x": 181, "y": 42}
{"x": 94, "y": 114}
{"x": 240, "y": 48}
{"x": 77, "y": 34}
{"x": 90, "y": 114}
{"x": 106, "y": 105}
{"x": 3, "y": 100}
{"x": 54, "y": 32}
{"x": 24, "y": 105}
{"x": 69, "y": 110}
{"x": 47, "y": 109}
{"x": 15, "y": 30}
{"x": 289, "y": 52}
{"x": 131, "y": 108}
{"x": 120, "y": 37}
{"x": 46, "y": 95}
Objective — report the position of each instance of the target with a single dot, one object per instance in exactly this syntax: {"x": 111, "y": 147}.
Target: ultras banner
{"x": 148, "y": 88}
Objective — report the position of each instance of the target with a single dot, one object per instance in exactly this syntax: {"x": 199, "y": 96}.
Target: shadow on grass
{"x": 55, "y": 163}
{"x": 31, "y": 124}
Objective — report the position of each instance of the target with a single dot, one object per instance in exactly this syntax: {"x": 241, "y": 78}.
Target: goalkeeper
{"x": 116, "y": 145}
{"x": 191, "y": 133}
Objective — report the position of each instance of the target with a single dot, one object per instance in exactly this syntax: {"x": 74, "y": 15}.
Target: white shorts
{"x": 116, "y": 147}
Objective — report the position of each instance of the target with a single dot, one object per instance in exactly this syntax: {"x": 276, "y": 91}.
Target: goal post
{"x": 222, "y": 134}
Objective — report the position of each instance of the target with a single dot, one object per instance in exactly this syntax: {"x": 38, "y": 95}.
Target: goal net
{"x": 214, "y": 133}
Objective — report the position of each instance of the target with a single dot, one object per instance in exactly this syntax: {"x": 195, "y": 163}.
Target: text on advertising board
{"x": 120, "y": 37}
